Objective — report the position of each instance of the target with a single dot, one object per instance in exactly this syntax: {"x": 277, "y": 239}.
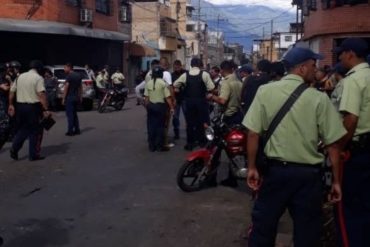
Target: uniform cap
{"x": 298, "y": 55}
{"x": 338, "y": 68}
{"x": 357, "y": 45}
{"x": 246, "y": 68}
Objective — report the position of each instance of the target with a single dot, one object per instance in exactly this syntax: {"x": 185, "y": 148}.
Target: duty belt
{"x": 362, "y": 144}
{"x": 279, "y": 163}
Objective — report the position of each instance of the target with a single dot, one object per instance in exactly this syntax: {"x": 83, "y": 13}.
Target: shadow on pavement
{"x": 87, "y": 129}
{"x": 55, "y": 149}
{"x": 40, "y": 233}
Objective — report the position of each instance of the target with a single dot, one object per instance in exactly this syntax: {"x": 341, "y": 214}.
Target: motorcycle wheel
{"x": 192, "y": 175}
{"x": 120, "y": 105}
{"x": 102, "y": 106}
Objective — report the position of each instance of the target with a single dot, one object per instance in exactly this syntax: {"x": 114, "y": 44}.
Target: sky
{"x": 285, "y": 4}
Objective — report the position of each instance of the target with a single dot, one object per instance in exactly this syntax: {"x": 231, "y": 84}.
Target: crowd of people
{"x": 288, "y": 109}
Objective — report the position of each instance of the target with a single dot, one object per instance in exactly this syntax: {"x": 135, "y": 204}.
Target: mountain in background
{"x": 244, "y": 23}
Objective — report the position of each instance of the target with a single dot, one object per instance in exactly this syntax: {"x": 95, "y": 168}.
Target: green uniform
{"x": 356, "y": 96}
{"x": 181, "y": 81}
{"x": 312, "y": 118}
{"x": 231, "y": 89}
{"x": 27, "y": 87}
{"x": 157, "y": 92}
{"x": 336, "y": 95}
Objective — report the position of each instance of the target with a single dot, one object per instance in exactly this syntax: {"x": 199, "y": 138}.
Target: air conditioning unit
{"x": 123, "y": 13}
{"x": 86, "y": 15}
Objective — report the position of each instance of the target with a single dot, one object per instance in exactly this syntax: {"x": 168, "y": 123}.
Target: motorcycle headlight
{"x": 210, "y": 134}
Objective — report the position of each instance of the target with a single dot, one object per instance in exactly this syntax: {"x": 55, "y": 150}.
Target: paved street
{"x": 103, "y": 188}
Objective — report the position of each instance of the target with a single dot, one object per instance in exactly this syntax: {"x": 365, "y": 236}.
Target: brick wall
{"x": 59, "y": 11}
{"x": 325, "y": 26}
{"x": 345, "y": 19}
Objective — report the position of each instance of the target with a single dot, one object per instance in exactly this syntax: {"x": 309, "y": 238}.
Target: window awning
{"x": 49, "y": 27}
{"x": 141, "y": 50}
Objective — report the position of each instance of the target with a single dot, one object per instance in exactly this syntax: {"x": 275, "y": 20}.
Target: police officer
{"x": 230, "y": 93}
{"x": 293, "y": 180}
{"x": 355, "y": 107}
{"x": 196, "y": 84}
{"x": 139, "y": 89}
{"x": 179, "y": 96}
{"x": 31, "y": 106}
{"x": 117, "y": 79}
{"x": 157, "y": 101}
{"x": 4, "y": 118}
{"x": 245, "y": 72}
{"x": 261, "y": 77}
{"x": 15, "y": 68}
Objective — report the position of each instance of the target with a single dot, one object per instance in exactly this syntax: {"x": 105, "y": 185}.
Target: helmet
{"x": 157, "y": 72}
{"x": 15, "y": 64}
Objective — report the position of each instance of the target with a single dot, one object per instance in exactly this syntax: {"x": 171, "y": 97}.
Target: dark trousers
{"x": 176, "y": 117}
{"x": 28, "y": 126}
{"x": 196, "y": 114}
{"x": 298, "y": 189}
{"x": 156, "y": 125}
{"x": 234, "y": 119}
{"x": 72, "y": 118}
{"x": 51, "y": 96}
{"x": 356, "y": 199}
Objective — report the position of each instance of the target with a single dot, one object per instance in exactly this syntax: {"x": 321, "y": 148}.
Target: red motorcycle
{"x": 200, "y": 168}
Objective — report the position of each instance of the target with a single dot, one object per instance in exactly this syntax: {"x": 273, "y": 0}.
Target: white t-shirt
{"x": 167, "y": 77}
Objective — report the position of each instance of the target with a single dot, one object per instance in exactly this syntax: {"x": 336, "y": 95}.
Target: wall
{"x": 323, "y": 27}
{"x": 345, "y": 19}
{"x": 59, "y": 11}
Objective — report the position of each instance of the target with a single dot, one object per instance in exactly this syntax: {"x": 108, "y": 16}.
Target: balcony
{"x": 168, "y": 27}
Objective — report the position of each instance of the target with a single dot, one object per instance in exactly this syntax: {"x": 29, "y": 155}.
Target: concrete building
{"x": 85, "y": 31}
{"x": 153, "y": 26}
{"x": 215, "y": 47}
{"x": 283, "y": 41}
{"x": 194, "y": 31}
{"x": 327, "y": 23}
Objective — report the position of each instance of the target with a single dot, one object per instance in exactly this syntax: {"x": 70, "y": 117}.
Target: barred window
{"x": 103, "y": 6}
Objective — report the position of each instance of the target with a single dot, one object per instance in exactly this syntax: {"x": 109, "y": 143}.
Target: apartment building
{"x": 328, "y": 22}
{"x": 56, "y": 31}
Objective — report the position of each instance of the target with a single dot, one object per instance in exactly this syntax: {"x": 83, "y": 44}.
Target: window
{"x": 125, "y": 13}
{"x": 103, "y": 6}
{"x": 288, "y": 38}
{"x": 72, "y": 2}
{"x": 189, "y": 28}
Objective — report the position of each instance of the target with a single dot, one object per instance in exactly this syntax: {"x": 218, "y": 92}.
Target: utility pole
{"x": 272, "y": 42}
{"x": 199, "y": 32}
{"x": 217, "y": 39}
{"x": 297, "y": 22}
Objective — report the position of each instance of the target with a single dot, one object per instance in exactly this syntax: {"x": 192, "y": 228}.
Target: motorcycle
{"x": 115, "y": 97}
{"x": 200, "y": 168}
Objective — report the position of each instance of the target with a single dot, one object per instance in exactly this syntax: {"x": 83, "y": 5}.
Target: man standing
{"x": 355, "y": 107}
{"x": 139, "y": 89}
{"x": 244, "y": 72}
{"x": 229, "y": 94}
{"x": 71, "y": 97}
{"x": 196, "y": 84}
{"x": 293, "y": 180}
{"x": 253, "y": 82}
{"x": 216, "y": 78}
{"x": 117, "y": 79}
{"x": 31, "y": 106}
{"x": 179, "y": 96}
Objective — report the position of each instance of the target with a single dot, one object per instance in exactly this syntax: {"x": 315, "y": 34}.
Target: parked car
{"x": 88, "y": 91}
